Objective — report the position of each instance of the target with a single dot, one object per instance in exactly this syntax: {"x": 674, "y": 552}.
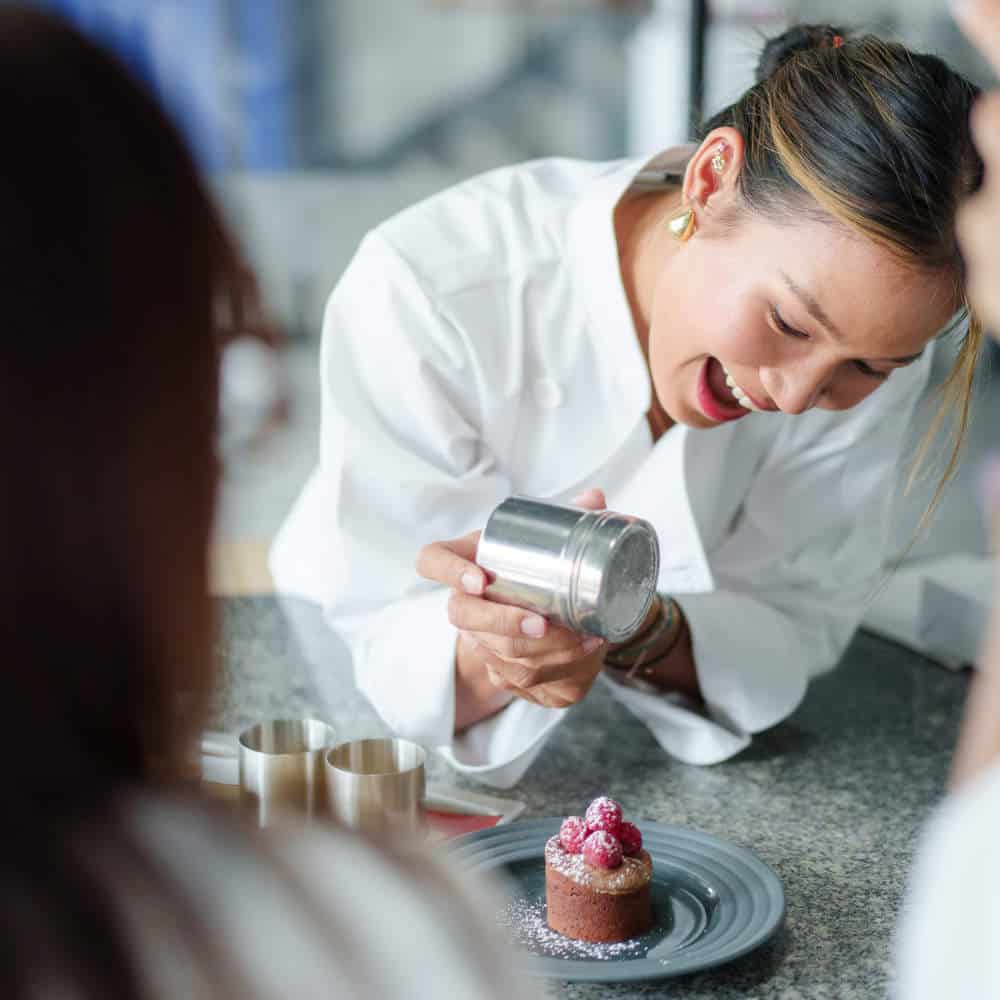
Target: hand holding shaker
{"x": 593, "y": 571}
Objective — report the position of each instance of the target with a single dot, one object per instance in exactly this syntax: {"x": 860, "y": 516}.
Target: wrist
{"x": 661, "y": 661}
{"x": 476, "y": 697}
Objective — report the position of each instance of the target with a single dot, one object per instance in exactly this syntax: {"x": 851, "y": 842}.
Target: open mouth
{"x": 717, "y": 399}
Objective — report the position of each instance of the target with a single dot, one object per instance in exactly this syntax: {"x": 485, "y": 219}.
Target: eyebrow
{"x": 819, "y": 314}
{"x": 815, "y": 309}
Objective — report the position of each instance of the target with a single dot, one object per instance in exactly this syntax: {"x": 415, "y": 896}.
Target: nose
{"x": 795, "y": 389}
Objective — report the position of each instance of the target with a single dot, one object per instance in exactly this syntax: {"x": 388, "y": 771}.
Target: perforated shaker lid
{"x": 616, "y": 577}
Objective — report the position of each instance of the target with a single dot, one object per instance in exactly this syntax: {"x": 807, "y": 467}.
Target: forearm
{"x": 676, "y": 672}
{"x": 476, "y": 697}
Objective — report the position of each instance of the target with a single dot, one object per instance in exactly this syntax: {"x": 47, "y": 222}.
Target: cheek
{"x": 852, "y": 389}
{"x": 743, "y": 339}
{"x": 750, "y": 345}
{"x": 690, "y": 326}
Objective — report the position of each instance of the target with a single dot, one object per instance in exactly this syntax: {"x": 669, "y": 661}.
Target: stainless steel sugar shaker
{"x": 592, "y": 571}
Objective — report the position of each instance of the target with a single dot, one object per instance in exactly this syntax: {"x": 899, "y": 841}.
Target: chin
{"x": 687, "y": 416}
{"x": 699, "y": 421}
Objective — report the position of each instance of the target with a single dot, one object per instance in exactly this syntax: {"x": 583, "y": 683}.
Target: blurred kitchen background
{"x": 316, "y": 119}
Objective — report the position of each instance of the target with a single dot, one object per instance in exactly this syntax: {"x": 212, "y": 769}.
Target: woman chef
{"x": 729, "y": 339}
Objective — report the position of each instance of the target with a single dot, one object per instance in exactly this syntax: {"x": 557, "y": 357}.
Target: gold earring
{"x": 682, "y": 225}
{"x": 719, "y": 160}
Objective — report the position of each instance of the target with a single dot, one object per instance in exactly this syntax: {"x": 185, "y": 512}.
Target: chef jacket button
{"x": 548, "y": 393}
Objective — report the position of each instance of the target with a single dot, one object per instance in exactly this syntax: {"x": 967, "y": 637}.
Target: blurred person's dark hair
{"x": 113, "y": 265}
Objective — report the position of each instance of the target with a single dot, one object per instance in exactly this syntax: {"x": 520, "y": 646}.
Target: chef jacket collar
{"x": 593, "y": 251}
{"x": 594, "y": 254}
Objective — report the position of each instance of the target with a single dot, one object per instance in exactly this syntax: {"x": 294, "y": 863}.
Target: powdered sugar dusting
{"x": 604, "y": 814}
{"x": 602, "y": 850}
{"x": 525, "y": 920}
{"x": 631, "y": 874}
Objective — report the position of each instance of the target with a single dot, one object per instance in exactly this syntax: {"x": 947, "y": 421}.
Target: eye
{"x": 787, "y": 330}
{"x": 871, "y": 372}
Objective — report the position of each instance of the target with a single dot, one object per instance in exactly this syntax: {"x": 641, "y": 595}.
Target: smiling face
{"x": 754, "y": 313}
{"x": 797, "y": 316}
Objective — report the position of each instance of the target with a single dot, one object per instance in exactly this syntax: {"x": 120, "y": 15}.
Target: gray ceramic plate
{"x": 712, "y": 902}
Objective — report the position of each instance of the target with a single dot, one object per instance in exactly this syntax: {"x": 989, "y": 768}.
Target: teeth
{"x": 741, "y": 397}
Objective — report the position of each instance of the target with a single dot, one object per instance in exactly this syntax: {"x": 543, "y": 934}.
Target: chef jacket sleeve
{"x": 402, "y": 463}
{"x": 792, "y": 576}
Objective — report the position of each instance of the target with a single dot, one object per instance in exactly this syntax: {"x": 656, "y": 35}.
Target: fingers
{"x": 498, "y": 680}
{"x": 592, "y": 499}
{"x": 547, "y": 697}
{"x": 980, "y": 20}
{"x": 553, "y": 694}
{"x": 556, "y": 647}
{"x": 532, "y": 654}
{"x": 528, "y": 674}
{"x": 471, "y": 614}
{"x": 453, "y": 564}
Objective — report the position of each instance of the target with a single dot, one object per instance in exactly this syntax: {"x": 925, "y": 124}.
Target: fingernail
{"x": 534, "y": 626}
{"x": 472, "y": 582}
{"x": 589, "y": 645}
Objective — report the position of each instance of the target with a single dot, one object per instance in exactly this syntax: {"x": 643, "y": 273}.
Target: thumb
{"x": 590, "y": 499}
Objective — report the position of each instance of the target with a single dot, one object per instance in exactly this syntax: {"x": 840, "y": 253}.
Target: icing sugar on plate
{"x": 524, "y": 919}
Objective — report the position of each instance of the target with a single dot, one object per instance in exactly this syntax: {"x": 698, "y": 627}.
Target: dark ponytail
{"x": 801, "y": 38}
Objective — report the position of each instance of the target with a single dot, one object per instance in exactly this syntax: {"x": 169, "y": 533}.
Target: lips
{"x": 714, "y": 398}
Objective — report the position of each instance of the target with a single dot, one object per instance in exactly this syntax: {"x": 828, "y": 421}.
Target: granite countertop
{"x": 832, "y": 799}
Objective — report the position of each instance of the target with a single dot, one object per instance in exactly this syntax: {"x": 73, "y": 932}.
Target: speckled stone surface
{"x": 832, "y": 799}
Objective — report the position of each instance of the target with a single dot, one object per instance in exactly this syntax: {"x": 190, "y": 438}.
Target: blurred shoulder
{"x": 503, "y": 223}
{"x": 323, "y": 905}
{"x": 946, "y": 945}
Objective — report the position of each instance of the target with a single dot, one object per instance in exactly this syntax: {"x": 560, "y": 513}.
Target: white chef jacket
{"x": 479, "y": 345}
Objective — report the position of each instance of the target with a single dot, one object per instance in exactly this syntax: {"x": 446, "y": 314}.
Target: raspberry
{"x": 572, "y": 834}
{"x": 602, "y": 850}
{"x": 631, "y": 839}
{"x": 604, "y": 814}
